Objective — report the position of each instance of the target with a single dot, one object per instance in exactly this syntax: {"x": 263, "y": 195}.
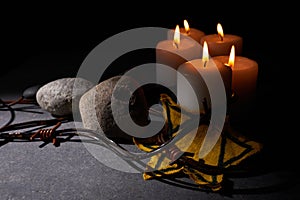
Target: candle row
{"x": 218, "y": 44}
{"x": 194, "y": 54}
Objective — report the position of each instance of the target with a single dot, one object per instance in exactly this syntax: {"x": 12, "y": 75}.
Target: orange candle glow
{"x": 244, "y": 78}
{"x": 220, "y": 43}
{"x": 193, "y": 71}
{"x": 173, "y": 52}
{"x": 194, "y": 33}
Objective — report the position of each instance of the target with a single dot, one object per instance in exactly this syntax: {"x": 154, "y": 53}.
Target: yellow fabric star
{"x": 230, "y": 149}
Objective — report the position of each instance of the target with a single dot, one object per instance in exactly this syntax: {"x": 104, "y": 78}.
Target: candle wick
{"x": 175, "y": 45}
{"x": 228, "y": 65}
{"x": 220, "y": 36}
{"x": 188, "y": 32}
{"x": 205, "y": 62}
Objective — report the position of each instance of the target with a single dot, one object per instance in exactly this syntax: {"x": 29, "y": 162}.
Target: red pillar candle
{"x": 192, "y": 95}
{"x": 220, "y": 44}
{"x": 194, "y": 33}
{"x": 172, "y": 53}
{"x": 244, "y": 83}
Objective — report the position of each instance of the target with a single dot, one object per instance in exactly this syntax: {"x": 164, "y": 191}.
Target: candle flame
{"x": 176, "y": 40}
{"x": 205, "y": 55}
{"x": 220, "y": 31}
{"x": 231, "y": 57}
{"x": 186, "y": 26}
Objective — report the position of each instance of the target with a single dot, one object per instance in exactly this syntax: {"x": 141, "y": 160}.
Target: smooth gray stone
{"x": 60, "y": 97}
{"x": 96, "y": 113}
{"x": 30, "y": 93}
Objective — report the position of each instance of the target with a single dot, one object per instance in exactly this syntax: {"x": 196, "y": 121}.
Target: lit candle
{"x": 244, "y": 80}
{"x": 192, "y": 94}
{"x": 173, "y": 53}
{"x": 188, "y": 31}
{"x": 220, "y": 44}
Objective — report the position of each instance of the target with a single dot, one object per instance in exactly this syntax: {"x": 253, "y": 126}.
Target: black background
{"x": 29, "y": 30}
{"x": 54, "y": 39}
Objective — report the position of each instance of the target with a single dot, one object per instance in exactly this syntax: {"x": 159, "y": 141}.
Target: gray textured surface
{"x": 71, "y": 172}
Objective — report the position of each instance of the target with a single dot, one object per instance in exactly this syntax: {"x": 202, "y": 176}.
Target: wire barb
{"x": 47, "y": 135}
